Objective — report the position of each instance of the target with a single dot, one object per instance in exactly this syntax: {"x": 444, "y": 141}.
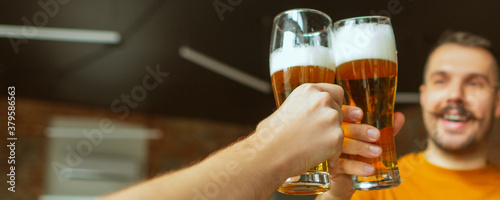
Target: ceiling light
{"x": 59, "y": 34}
{"x": 224, "y": 69}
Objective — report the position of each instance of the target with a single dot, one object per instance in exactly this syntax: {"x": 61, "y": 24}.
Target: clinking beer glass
{"x": 300, "y": 53}
{"x": 366, "y": 58}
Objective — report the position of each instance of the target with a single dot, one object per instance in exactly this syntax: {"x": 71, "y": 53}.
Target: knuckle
{"x": 356, "y": 147}
{"x": 331, "y": 117}
{"x": 349, "y": 167}
{"x": 353, "y": 130}
{"x": 340, "y": 115}
{"x": 330, "y": 113}
{"x": 261, "y": 124}
{"x": 339, "y": 90}
{"x": 356, "y": 168}
{"x": 339, "y": 133}
{"x": 336, "y": 137}
{"x": 325, "y": 98}
{"x": 336, "y": 116}
{"x": 308, "y": 87}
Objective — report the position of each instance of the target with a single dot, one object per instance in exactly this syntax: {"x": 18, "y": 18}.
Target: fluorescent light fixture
{"x": 224, "y": 69}
{"x": 119, "y": 133}
{"x": 59, "y": 34}
{"x": 407, "y": 97}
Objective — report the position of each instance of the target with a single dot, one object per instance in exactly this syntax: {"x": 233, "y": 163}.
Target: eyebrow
{"x": 473, "y": 75}
{"x": 437, "y": 73}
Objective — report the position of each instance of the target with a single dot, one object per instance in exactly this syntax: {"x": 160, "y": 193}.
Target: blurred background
{"x": 155, "y": 85}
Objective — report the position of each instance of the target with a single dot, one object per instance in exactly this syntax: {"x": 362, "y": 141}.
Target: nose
{"x": 455, "y": 93}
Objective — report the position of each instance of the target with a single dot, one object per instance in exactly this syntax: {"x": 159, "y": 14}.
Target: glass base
{"x": 308, "y": 183}
{"x": 377, "y": 182}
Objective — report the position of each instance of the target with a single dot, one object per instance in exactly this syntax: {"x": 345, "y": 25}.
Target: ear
{"x": 422, "y": 94}
{"x": 497, "y": 103}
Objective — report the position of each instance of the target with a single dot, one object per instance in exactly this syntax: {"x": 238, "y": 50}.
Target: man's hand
{"x": 356, "y": 142}
{"x": 306, "y": 129}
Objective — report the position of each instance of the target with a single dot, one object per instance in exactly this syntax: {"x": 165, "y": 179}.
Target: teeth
{"x": 454, "y": 118}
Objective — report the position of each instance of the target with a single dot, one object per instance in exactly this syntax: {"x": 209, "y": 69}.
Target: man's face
{"x": 459, "y": 100}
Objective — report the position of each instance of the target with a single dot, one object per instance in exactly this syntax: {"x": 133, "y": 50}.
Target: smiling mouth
{"x": 455, "y": 113}
{"x": 455, "y": 117}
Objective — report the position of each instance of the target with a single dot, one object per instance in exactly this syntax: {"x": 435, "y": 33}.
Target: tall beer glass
{"x": 301, "y": 53}
{"x": 365, "y": 53}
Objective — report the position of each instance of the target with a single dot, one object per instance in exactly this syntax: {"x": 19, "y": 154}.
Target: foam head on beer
{"x": 284, "y": 58}
{"x": 364, "y": 41}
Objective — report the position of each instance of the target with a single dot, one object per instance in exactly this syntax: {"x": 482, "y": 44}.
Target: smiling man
{"x": 460, "y": 99}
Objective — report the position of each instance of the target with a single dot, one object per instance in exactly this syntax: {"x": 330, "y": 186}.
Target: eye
{"x": 439, "y": 81}
{"x": 475, "y": 83}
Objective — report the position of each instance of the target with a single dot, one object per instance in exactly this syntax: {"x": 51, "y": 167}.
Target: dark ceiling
{"x": 154, "y": 30}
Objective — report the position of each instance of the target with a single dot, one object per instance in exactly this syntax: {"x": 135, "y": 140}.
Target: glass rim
{"x": 386, "y": 19}
{"x": 304, "y": 9}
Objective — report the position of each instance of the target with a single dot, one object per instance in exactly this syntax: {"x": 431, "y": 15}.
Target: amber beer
{"x": 289, "y": 69}
{"x": 367, "y": 71}
{"x": 370, "y": 84}
{"x": 286, "y": 80}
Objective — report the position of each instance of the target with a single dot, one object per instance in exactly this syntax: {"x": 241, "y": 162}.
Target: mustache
{"x": 458, "y": 107}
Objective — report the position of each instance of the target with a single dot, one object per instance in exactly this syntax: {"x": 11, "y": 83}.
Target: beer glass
{"x": 366, "y": 58}
{"x": 300, "y": 52}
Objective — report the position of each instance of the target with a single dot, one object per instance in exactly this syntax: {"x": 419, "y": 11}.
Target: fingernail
{"x": 375, "y": 149}
{"x": 373, "y": 133}
{"x": 356, "y": 114}
{"x": 369, "y": 168}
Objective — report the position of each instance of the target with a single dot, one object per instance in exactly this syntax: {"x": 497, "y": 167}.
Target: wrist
{"x": 255, "y": 166}
{"x": 263, "y": 148}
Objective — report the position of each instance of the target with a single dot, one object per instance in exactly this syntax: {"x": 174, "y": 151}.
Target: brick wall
{"x": 184, "y": 141}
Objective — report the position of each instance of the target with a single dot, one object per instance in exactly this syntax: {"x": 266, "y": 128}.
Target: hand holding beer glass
{"x": 366, "y": 58}
{"x": 300, "y": 53}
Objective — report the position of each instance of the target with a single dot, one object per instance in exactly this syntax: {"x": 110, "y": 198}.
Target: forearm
{"x": 241, "y": 171}
{"x": 174, "y": 185}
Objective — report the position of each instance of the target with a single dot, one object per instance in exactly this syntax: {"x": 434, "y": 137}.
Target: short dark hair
{"x": 465, "y": 39}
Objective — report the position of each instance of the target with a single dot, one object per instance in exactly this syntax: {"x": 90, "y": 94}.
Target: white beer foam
{"x": 364, "y": 41}
{"x": 301, "y": 56}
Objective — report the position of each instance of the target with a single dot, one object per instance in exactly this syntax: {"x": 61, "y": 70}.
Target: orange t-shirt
{"x": 423, "y": 180}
